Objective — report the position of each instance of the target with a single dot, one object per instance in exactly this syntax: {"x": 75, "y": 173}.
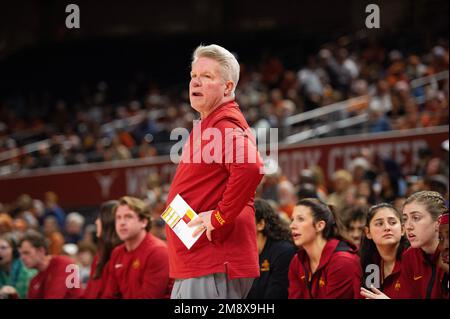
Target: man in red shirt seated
{"x": 139, "y": 268}
{"x": 58, "y": 275}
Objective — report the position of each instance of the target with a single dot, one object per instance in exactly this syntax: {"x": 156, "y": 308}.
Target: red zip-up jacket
{"x": 338, "y": 275}
{"x": 96, "y": 287}
{"x": 139, "y": 273}
{"x": 390, "y": 285}
{"x": 52, "y": 282}
{"x": 228, "y": 187}
{"x": 421, "y": 278}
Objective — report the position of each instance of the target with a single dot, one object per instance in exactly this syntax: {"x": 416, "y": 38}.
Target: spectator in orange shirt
{"x": 6, "y": 223}
{"x": 53, "y": 235}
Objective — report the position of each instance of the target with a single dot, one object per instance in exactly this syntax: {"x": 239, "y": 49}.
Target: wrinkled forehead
{"x": 205, "y": 64}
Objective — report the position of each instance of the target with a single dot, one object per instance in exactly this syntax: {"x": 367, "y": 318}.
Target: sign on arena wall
{"x": 91, "y": 184}
{"x": 335, "y": 153}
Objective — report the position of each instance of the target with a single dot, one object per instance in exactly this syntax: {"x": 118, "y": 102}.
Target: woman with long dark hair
{"x": 381, "y": 250}
{"x": 327, "y": 267}
{"x": 107, "y": 241}
{"x": 275, "y": 250}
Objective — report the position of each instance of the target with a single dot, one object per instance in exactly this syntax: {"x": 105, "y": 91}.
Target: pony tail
{"x": 336, "y": 224}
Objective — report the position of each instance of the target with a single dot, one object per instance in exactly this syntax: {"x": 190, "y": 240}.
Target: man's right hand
{"x": 204, "y": 221}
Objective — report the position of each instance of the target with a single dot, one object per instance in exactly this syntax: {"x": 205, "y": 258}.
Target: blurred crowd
{"x": 97, "y": 127}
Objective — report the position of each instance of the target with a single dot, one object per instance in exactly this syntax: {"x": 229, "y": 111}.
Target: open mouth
{"x": 411, "y": 236}
{"x": 197, "y": 94}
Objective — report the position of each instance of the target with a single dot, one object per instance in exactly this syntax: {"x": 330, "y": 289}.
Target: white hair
{"x": 75, "y": 217}
{"x": 286, "y": 185}
{"x": 227, "y": 61}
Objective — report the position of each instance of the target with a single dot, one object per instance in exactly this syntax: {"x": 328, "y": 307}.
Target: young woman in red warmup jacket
{"x": 381, "y": 250}
{"x": 326, "y": 267}
{"x": 421, "y": 278}
{"x": 107, "y": 241}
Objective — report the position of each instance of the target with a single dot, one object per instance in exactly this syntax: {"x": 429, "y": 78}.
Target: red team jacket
{"x": 228, "y": 188}
{"x": 338, "y": 275}
{"x": 391, "y": 285}
{"x": 421, "y": 278}
{"x": 96, "y": 287}
{"x": 140, "y": 273}
{"x": 53, "y": 282}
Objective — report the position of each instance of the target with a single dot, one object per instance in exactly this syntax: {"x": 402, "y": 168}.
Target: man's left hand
{"x": 204, "y": 221}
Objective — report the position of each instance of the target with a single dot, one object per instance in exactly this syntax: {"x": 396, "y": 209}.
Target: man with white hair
{"x": 74, "y": 228}
{"x": 286, "y": 197}
{"x": 221, "y": 187}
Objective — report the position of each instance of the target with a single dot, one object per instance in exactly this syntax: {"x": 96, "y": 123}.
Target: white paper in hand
{"x": 177, "y": 215}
